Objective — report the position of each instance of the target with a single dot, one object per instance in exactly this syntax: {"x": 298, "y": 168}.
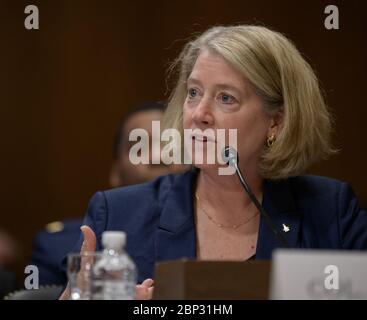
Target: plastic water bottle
{"x": 114, "y": 274}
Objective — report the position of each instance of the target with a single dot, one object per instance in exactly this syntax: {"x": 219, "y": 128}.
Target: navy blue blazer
{"x": 158, "y": 217}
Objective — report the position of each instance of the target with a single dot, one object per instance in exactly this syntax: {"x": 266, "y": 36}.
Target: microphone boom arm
{"x": 253, "y": 198}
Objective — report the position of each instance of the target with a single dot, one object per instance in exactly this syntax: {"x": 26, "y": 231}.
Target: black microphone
{"x": 230, "y": 156}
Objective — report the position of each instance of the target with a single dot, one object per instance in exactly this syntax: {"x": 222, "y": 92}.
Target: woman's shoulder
{"x": 331, "y": 210}
{"x": 323, "y": 190}
{"x": 319, "y": 184}
{"x": 148, "y": 192}
{"x": 135, "y": 208}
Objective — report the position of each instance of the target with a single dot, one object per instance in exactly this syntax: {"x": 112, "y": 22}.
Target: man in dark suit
{"x": 53, "y": 243}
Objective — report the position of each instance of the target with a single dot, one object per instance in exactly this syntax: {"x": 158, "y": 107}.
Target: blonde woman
{"x": 254, "y": 80}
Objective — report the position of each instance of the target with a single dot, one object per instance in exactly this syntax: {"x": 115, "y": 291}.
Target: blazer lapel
{"x": 175, "y": 236}
{"x": 280, "y": 204}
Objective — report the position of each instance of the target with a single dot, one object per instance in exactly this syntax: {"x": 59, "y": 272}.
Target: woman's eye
{"x": 227, "y": 98}
{"x": 193, "y": 93}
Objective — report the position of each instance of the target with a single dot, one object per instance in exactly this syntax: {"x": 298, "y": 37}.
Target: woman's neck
{"x": 226, "y": 191}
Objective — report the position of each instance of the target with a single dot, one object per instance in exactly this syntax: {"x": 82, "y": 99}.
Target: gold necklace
{"x": 220, "y": 225}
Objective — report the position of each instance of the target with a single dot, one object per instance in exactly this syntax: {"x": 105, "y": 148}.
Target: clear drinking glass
{"x": 80, "y": 274}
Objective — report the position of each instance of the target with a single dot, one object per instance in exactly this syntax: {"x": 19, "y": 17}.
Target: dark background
{"x": 65, "y": 87}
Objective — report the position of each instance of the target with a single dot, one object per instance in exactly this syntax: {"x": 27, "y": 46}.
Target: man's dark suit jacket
{"x": 50, "y": 248}
{"x": 158, "y": 217}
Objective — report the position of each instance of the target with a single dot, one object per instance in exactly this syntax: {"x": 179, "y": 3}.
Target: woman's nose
{"x": 203, "y": 113}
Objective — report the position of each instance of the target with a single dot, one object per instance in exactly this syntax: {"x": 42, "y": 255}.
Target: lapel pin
{"x": 285, "y": 228}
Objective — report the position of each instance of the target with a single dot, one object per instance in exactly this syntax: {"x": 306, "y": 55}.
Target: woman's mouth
{"x": 200, "y": 138}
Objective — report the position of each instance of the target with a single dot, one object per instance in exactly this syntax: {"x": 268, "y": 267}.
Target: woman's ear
{"x": 276, "y": 123}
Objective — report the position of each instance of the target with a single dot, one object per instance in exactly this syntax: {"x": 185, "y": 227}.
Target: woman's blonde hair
{"x": 281, "y": 78}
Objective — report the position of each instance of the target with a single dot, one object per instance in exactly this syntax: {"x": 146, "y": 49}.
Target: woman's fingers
{"x": 147, "y": 283}
{"x": 90, "y": 241}
{"x": 144, "y": 291}
{"x": 66, "y": 294}
{"x": 89, "y": 245}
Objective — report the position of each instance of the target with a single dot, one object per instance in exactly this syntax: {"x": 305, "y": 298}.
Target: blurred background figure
{"x": 123, "y": 172}
{"x": 8, "y": 250}
{"x": 58, "y": 238}
{"x": 8, "y": 257}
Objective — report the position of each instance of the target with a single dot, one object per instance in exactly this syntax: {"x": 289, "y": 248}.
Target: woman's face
{"x": 219, "y": 97}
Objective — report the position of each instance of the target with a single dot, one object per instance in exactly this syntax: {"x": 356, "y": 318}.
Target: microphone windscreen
{"x": 229, "y": 155}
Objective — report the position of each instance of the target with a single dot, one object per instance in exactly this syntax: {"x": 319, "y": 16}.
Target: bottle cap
{"x": 113, "y": 239}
